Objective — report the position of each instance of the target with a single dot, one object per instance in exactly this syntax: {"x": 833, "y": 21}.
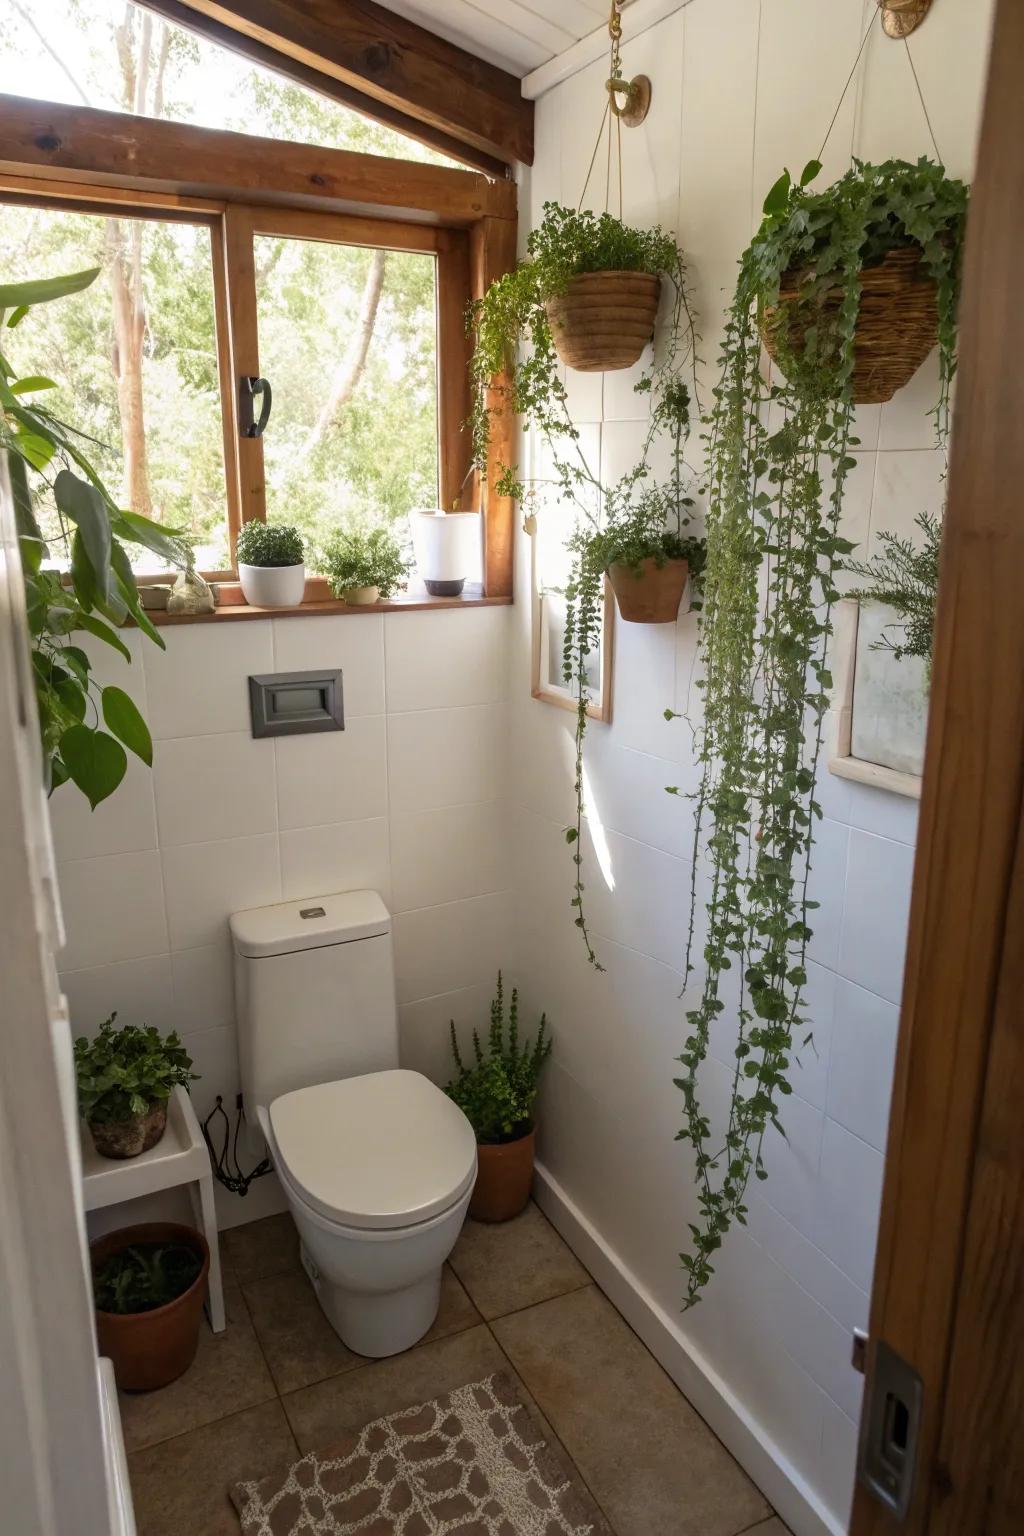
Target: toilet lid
{"x": 384, "y": 1150}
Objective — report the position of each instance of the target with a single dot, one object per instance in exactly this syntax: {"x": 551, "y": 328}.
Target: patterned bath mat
{"x": 470, "y": 1463}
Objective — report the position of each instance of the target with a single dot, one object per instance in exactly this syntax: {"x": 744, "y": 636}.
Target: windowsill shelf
{"x": 407, "y": 602}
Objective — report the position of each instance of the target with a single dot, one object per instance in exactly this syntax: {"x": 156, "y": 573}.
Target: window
{"x": 342, "y": 277}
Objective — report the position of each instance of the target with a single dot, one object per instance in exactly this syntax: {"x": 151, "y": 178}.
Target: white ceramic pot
{"x": 361, "y": 594}
{"x": 446, "y": 546}
{"x": 272, "y": 586}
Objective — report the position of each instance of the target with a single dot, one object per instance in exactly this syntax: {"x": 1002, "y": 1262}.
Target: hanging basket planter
{"x": 897, "y": 326}
{"x": 604, "y": 319}
{"x": 649, "y": 593}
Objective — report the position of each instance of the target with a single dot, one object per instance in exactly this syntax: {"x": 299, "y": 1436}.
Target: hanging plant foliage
{"x": 636, "y": 526}
{"x": 779, "y": 458}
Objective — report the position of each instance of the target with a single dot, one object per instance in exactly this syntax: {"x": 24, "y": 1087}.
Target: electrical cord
{"x": 226, "y": 1167}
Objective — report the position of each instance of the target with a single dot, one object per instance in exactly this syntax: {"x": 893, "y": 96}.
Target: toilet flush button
{"x": 312, "y": 912}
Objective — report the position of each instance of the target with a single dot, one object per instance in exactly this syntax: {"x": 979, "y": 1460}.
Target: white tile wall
{"x": 752, "y": 86}
{"x": 408, "y": 800}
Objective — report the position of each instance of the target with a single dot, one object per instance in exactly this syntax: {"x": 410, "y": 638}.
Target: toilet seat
{"x": 374, "y": 1153}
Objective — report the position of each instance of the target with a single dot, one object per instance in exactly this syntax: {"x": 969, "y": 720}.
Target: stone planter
{"x": 127, "y": 1138}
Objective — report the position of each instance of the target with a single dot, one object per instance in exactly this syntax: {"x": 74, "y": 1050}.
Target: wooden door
{"x": 949, "y": 1278}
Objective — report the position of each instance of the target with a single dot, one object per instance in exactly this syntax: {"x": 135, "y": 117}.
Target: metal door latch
{"x": 890, "y": 1425}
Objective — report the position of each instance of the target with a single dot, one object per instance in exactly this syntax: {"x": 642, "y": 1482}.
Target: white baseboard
{"x": 782, "y": 1485}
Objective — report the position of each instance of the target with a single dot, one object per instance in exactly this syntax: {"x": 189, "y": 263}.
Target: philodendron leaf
{"x": 40, "y": 290}
{"x": 31, "y": 384}
{"x": 778, "y": 197}
{"x": 94, "y": 761}
{"x": 104, "y": 632}
{"x": 122, "y": 717}
{"x": 83, "y": 504}
{"x": 810, "y": 170}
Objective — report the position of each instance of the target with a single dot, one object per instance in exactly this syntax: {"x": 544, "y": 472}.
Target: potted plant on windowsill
{"x": 363, "y": 567}
{"x": 497, "y": 1095}
{"x": 148, "y": 1287}
{"x": 125, "y": 1077}
{"x": 271, "y": 566}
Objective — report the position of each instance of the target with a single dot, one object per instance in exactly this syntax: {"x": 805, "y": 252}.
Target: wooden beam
{"x": 116, "y": 149}
{"x": 183, "y": 15}
{"x": 393, "y": 61}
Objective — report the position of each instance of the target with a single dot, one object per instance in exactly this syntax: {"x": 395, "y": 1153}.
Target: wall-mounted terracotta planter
{"x": 151, "y": 1349}
{"x": 652, "y": 593}
{"x": 504, "y": 1179}
{"x": 128, "y": 1138}
{"x": 604, "y": 320}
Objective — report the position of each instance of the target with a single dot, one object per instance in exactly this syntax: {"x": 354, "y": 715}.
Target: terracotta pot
{"x": 151, "y": 1349}
{"x": 127, "y": 1138}
{"x": 604, "y": 320}
{"x": 650, "y": 594}
{"x": 361, "y": 595}
{"x": 503, "y": 1180}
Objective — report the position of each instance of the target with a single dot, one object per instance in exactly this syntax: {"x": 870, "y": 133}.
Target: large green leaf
{"x": 84, "y": 505}
{"x": 34, "y": 448}
{"x": 122, "y": 717}
{"x": 31, "y": 384}
{"x": 95, "y": 761}
{"x": 94, "y": 626}
{"x": 40, "y": 290}
{"x": 142, "y": 530}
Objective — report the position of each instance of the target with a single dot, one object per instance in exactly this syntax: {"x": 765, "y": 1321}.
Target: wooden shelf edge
{"x": 417, "y": 603}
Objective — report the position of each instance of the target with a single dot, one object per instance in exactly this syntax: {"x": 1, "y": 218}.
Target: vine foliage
{"x": 515, "y": 370}
{"x": 779, "y": 458}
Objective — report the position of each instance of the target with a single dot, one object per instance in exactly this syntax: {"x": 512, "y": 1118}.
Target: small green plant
{"x": 498, "y": 1092}
{"x": 359, "y": 559}
{"x": 269, "y": 544}
{"x": 144, "y": 1277}
{"x": 906, "y": 577}
{"x": 123, "y": 1072}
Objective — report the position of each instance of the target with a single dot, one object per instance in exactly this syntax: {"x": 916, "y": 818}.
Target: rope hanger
{"x": 853, "y": 71}
{"x": 632, "y": 112}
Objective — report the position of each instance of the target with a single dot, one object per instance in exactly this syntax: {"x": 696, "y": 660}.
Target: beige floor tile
{"x": 317, "y": 1414}
{"x": 228, "y": 1373}
{"x": 772, "y": 1527}
{"x": 300, "y": 1345}
{"x": 261, "y": 1248}
{"x": 651, "y": 1461}
{"x": 508, "y": 1265}
{"x": 179, "y": 1488}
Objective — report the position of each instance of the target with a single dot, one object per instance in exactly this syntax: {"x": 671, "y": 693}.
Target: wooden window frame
{"x": 241, "y": 186}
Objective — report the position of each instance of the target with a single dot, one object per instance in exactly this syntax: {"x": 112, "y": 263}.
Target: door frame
{"x": 948, "y": 1293}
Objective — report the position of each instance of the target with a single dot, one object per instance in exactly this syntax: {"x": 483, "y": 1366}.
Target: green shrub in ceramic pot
{"x": 362, "y": 566}
{"x": 125, "y": 1077}
{"x": 497, "y": 1093}
{"x": 271, "y": 566}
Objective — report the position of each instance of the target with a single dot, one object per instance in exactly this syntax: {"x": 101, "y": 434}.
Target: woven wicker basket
{"x": 604, "y": 320}
{"x": 896, "y": 329}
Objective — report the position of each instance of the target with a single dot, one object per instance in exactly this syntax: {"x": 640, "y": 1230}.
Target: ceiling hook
{"x": 638, "y": 99}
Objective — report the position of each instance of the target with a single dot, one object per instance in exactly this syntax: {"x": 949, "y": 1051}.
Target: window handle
{"x": 248, "y": 388}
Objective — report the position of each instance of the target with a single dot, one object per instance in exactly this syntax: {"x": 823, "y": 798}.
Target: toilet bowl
{"x": 378, "y": 1172}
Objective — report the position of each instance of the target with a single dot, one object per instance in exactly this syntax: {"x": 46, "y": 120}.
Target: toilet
{"x": 376, "y": 1163}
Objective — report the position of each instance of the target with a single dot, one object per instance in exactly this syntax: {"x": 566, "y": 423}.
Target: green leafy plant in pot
{"x": 149, "y": 1282}
{"x": 779, "y": 458}
{"x": 125, "y": 1077}
{"x": 636, "y": 529}
{"x": 78, "y": 578}
{"x": 270, "y": 564}
{"x": 497, "y": 1093}
{"x": 363, "y": 566}
{"x": 904, "y": 576}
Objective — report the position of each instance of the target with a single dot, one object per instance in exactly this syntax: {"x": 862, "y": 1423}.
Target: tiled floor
{"x": 279, "y": 1382}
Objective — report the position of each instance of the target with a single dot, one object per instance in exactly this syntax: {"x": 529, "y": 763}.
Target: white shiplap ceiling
{"x": 519, "y": 35}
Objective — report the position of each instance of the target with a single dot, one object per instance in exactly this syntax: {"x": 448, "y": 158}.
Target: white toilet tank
{"x": 314, "y": 993}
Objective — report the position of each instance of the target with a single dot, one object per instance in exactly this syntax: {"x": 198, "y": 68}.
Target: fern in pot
{"x": 497, "y": 1093}
{"x": 271, "y": 566}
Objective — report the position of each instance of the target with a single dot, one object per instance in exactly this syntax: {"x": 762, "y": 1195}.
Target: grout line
{"x": 499, "y": 1317}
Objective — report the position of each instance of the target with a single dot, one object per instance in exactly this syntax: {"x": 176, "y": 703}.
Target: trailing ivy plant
{"x": 515, "y": 370}
{"x": 906, "y": 577}
{"x": 80, "y": 580}
{"x": 779, "y": 457}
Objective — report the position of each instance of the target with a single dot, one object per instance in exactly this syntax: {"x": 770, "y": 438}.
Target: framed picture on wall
{"x": 880, "y": 706}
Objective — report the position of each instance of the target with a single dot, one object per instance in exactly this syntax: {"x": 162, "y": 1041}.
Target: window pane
{"x": 135, "y": 361}
{"x": 347, "y": 338}
{"x": 106, "y": 53}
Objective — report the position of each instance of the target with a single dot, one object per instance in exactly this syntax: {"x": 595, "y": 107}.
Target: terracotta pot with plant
{"x": 125, "y": 1077}
{"x": 497, "y": 1094}
{"x": 363, "y": 567}
{"x": 148, "y": 1286}
{"x": 271, "y": 566}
